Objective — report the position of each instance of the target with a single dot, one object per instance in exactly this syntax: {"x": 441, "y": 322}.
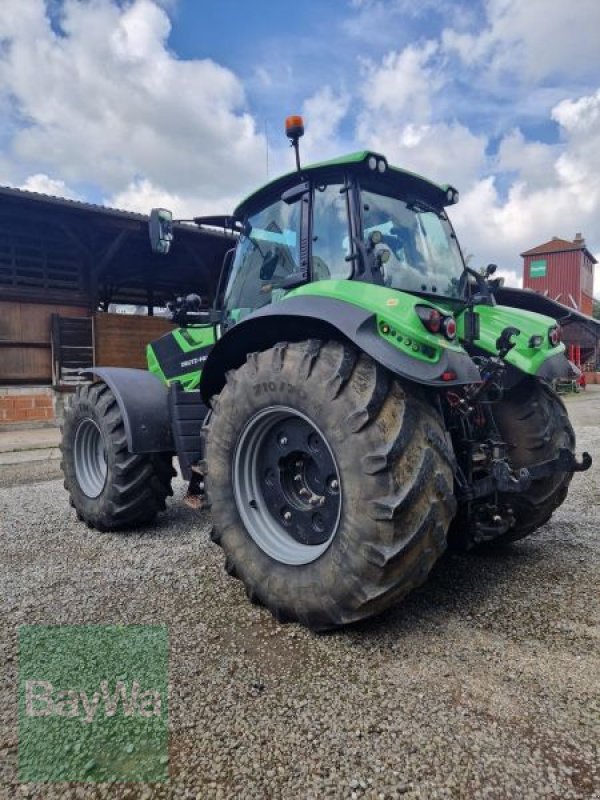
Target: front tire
{"x": 533, "y": 421}
{"x": 109, "y": 487}
{"x": 330, "y": 483}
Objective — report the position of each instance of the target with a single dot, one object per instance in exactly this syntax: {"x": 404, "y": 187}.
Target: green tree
{"x": 596, "y": 309}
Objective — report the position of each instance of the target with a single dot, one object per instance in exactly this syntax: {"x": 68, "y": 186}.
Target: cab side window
{"x": 330, "y": 233}
{"x": 267, "y": 254}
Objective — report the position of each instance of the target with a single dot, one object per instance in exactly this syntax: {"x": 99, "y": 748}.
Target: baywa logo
{"x": 93, "y": 703}
{"x": 43, "y": 700}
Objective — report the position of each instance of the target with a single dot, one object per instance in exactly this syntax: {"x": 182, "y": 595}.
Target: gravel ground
{"x": 483, "y": 684}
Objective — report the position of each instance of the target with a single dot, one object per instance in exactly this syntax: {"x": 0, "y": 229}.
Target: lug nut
{"x": 287, "y": 515}
{"x": 334, "y": 485}
{"x": 283, "y": 440}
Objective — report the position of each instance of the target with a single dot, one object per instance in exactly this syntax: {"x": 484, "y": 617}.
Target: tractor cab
{"x": 352, "y": 218}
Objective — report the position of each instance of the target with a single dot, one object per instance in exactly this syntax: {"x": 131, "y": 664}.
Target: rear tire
{"x": 109, "y": 487}
{"x": 381, "y": 442}
{"x": 533, "y": 421}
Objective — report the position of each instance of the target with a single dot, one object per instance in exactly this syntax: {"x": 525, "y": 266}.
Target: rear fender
{"x": 300, "y": 318}
{"x": 143, "y": 402}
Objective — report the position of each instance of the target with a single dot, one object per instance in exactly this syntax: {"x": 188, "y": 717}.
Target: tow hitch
{"x": 565, "y": 461}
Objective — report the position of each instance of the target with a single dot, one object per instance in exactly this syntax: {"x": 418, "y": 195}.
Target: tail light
{"x": 449, "y": 327}
{"x": 430, "y": 317}
{"x": 555, "y": 335}
{"x": 436, "y": 322}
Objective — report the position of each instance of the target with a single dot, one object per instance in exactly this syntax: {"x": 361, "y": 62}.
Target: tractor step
{"x": 187, "y": 413}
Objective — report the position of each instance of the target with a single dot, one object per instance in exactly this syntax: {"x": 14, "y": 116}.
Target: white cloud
{"x": 45, "y": 185}
{"x": 375, "y": 21}
{"x": 142, "y": 195}
{"x": 323, "y": 113}
{"x": 533, "y": 162}
{"x": 108, "y": 103}
{"x": 398, "y": 118}
{"x": 402, "y": 84}
{"x": 533, "y": 39}
{"x": 530, "y": 190}
{"x": 446, "y": 153}
{"x": 556, "y": 191}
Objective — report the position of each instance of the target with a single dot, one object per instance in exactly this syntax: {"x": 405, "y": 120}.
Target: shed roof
{"x": 65, "y": 202}
{"x": 112, "y": 246}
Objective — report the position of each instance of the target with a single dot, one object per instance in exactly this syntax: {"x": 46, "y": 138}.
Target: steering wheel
{"x": 269, "y": 265}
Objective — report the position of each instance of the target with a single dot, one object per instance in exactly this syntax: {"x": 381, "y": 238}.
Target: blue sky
{"x": 143, "y": 102}
{"x": 302, "y": 45}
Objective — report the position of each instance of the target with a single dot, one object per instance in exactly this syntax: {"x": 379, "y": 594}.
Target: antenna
{"x": 267, "y": 148}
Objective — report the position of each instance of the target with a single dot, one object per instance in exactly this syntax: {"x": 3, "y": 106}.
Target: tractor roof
{"x": 392, "y": 178}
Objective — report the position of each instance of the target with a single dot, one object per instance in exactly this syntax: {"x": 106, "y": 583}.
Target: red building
{"x": 561, "y": 270}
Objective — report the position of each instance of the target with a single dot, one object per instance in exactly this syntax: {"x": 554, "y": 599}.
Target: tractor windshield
{"x": 414, "y": 244}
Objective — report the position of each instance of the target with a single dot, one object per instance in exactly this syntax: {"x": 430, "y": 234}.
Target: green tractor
{"x": 356, "y": 400}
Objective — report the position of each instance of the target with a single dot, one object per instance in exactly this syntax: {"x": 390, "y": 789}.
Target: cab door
{"x": 268, "y": 257}
{"x": 331, "y": 241}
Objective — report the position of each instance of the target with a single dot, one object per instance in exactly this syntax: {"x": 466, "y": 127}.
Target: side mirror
{"x": 160, "y": 228}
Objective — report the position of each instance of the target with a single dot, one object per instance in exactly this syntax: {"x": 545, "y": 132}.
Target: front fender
{"x": 143, "y": 402}
{"x": 307, "y": 317}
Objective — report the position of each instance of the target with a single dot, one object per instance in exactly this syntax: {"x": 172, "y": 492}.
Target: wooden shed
{"x": 66, "y": 269}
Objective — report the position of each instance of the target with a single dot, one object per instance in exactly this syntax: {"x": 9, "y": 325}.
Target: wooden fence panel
{"x": 25, "y": 341}
{"x": 121, "y": 339}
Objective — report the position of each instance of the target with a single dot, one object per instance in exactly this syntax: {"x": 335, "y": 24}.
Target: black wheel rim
{"x": 287, "y": 485}
{"x": 89, "y": 457}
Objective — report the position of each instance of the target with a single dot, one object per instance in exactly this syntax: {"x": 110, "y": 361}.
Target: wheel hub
{"x": 287, "y": 485}
{"x": 89, "y": 456}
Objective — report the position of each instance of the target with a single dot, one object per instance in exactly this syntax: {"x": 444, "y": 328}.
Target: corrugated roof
{"x": 93, "y": 208}
{"x": 80, "y": 205}
{"x": 557, "y": 245}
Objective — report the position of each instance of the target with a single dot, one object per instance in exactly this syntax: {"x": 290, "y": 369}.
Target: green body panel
{"x": 392, "y": 308}
{"x": 398, "y": 324}
{"x": 493, "y": 320}
{"x": 188, "y": 341}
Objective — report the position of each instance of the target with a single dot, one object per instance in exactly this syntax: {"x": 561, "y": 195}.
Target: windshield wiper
{"x": 420, "y": 206}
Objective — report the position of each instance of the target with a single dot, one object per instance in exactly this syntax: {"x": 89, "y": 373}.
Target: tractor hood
{"x": 533, "y": 345}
